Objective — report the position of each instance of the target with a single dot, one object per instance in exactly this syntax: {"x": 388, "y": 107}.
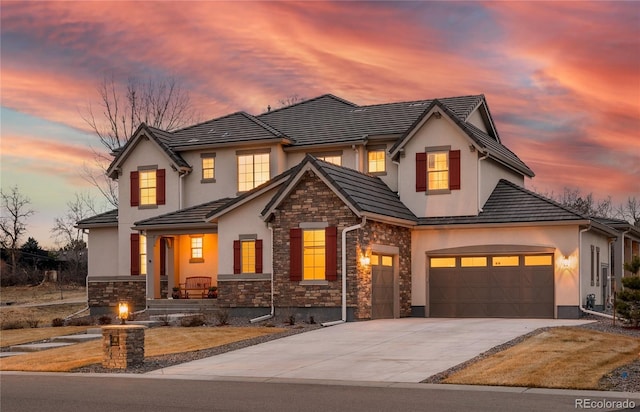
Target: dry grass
{"x": 158, "y": 341}
{"x": 40, "y": 315}
{"x": 47, "y": 292}
{"x": 570, "y": 358}
{"x": 19, "y": 336}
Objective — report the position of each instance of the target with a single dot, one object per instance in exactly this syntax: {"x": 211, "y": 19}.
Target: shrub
{"x": 192, "y": 321}
{"x": 628, "y": 300}
{"x": 104, "y": 320}
{"x": 13, "y": 324}
{"x": 222, "y": 317}
{"x": 32, "y": 322}
{"x": 57, "y": 322}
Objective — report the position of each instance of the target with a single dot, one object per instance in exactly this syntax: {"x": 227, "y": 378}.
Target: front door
{"x": 382, "y": 287}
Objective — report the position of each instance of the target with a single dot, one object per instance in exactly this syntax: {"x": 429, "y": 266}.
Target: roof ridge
{"x": 545, "y": 199}
{"x": 340, "y": 99}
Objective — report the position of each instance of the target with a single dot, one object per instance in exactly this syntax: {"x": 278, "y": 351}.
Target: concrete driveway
{"x": 390, "y": 350}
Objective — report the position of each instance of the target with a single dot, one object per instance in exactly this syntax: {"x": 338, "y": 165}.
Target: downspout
{"x": 582, "y": 309}
{"x": 344, "y": 272}
{"x": 270, "y": 315}
{"x": 480, "y": 180}
{"x": 180, "y": 185}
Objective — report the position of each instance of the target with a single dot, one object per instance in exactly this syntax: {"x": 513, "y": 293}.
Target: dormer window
{"x": 438, "y": 170}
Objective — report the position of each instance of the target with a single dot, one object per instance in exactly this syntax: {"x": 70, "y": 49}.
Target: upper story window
{"x": 208, "y": 167}
{"x": 253, "y": 170}
{"x": 147, "y": 186}
{"x": 376, "y": 161}
{"x": 333, "y": 159}
{"x": 438, "y": 170}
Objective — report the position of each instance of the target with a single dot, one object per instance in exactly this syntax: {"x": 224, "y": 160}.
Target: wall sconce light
{"x": 564, "y": 262}
{"x": 123, "y": 312}
{"x": 365, "y": 260}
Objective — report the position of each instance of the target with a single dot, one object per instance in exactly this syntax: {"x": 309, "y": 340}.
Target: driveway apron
{"x": 386, "y": 350}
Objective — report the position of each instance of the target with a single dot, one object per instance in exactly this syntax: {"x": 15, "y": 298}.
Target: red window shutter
{"x": 295, "y": 254}
{"x": 421, "y": 172}
{"x": 160, "y": 187}
{"x": 237, "y": 263}
{"x": 135, "y": 254}
{"x": 258, "y": 255}
{"x": 331, "y": 253}
{"x": 135, "y": 189}
{"x": 454, "y": 170}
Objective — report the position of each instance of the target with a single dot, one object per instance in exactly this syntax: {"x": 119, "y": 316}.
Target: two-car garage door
{"x": 516, "y": 286}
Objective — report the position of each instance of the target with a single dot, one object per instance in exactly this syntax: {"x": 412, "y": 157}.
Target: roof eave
{"x": 281, "y": 140}
{"x": 503, "y": 224}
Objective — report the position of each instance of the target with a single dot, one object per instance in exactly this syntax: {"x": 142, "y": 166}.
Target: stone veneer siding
{"x": 244, "y": 293}
{"x": 106, "y": 292}
{"x": 313, "y": 201}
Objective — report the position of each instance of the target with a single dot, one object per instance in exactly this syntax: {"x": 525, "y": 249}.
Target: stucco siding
{"x": 490, "y": 174}
{"x": 103, "y": 251}
{"x": 439, "y": 133}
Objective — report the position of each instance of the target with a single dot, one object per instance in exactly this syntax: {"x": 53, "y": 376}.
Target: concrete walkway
{"x": 393, "y": 350}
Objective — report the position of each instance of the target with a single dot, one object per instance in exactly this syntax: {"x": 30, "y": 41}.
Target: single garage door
{"x": 519, "y": 286}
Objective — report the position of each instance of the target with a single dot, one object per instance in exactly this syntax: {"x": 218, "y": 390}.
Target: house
{"x": 345, "y": 212}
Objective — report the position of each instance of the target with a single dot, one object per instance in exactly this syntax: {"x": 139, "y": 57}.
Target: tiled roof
{"x": 233, "y": 128}
{"x": 510, "y": 203}
{"x": 365, "y": 193}
{"x": 164, "y": 141}
{"x": 109, "y": 218}
{"x": 194, "y": 215}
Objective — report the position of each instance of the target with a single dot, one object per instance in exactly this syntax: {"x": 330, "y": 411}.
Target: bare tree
{"x": 157, "y": 102}
{"x": 15, "y": 212}
{"x": 630, "y": 211}
{"x": 69, "y": 238}
{"x": 290, "y": 100}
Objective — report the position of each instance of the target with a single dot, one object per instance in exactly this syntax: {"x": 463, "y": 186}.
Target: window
{"x": 333, "y": 159}
{"x": 592, "y": 266}
{"x": 247, "y": 255}
{"x": 544, "y": 260}
{"x": 197, "y": 255}
{"x": 376, "y": 161}
{"x": 148, "y": 186}
{"x": 438, "y": 171}
{"x": 253, "y": 170}
{"x": 313, "y": 254}
{"x": 143, "y": 255}
{"x": 506, "y": 261}
{"x": 479, "y": 261}
{"x": 443, "y": 262}
{"x": 208, "y": 167}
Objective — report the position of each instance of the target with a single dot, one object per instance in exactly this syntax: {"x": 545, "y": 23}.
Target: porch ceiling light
{"x": 123, "y": 312}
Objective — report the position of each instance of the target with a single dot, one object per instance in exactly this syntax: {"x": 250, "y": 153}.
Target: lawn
{"x": 158, "y": 341}
{"x": 570, "y": 358}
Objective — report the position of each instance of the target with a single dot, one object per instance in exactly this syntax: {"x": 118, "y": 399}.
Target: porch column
{"x": 152, "y": 288}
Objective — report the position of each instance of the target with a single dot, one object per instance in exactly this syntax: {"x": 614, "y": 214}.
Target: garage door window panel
{"x": 542, "y": 260}
{"x": 443, "y": 262}
{"x": 472, "y": 262}
{"x": 502, "y": 261}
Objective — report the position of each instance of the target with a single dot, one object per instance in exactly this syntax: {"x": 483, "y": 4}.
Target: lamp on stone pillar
{"x": 123, "y": 312}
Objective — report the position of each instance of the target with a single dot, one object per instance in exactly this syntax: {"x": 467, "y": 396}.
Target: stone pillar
{"x": 123, "y": 346}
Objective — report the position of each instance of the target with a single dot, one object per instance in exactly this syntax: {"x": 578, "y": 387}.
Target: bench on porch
{"x": 199, "y": 284}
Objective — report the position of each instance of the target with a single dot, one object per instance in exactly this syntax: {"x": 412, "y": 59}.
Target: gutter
{"x": 344, "y": 272}
{"x": 270, "y": 315}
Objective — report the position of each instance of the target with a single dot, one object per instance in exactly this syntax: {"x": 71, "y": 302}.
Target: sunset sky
{"x": 562, "y": 79}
